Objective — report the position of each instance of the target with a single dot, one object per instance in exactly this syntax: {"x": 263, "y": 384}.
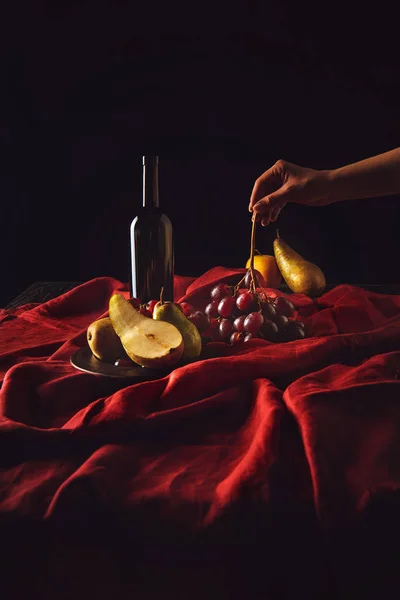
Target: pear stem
{"x": 161, "y": 296}
{"x": 277, "y": 233}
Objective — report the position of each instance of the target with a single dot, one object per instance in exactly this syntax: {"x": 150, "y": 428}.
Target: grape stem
{"x": 252, "y": 248}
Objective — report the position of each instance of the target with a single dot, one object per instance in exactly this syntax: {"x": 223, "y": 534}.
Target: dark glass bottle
{"x": 152, "y": 245}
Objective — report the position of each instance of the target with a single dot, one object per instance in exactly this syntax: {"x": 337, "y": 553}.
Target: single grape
{"x": 300, "y": 333}
{"x": 225, "y": 329}
{"x": 220, "y": 291}
{"x": 187, "y": 308}
{"x": 150, "y": 305}
{"x": 214, "y": 330}
{"x": 268, "y": 311}
{"x": 253, "y": 322}
{"x": 236, "y": 338}
{"x": 143, "y": 311}
{"x": 226, "y": 305}
{"x": 269, "y": 331}
{"x": 281, "y": 321}
{"x": 135, "y": 302}
{"x": 238, "y": 323}
{"x": 236, "y": 312}
{"x": 212, "y": 309}
{"x": 294, "y": 331}
{"x": 199, "y": 319}
{"x": 246, "y": 302}
{"x": 258, "y": 279}
{"x": 248, "y": 337}
{"x": 284, "y": 306}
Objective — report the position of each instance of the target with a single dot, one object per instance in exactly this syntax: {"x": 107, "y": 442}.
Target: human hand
{"x": 286, "y": 182}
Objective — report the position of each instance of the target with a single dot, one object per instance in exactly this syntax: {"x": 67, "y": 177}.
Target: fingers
{"x": 268, "y": 209}
{"x": 275, "y": 213}
{"x": 268, "y": 183}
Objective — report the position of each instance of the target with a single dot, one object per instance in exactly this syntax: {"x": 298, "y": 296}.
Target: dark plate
{"x": 83, "y": 360}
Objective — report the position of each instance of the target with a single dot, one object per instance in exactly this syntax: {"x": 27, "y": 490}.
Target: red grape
{"x": 269, "y": 331}
{"x": 294, "y": 331}
{"x": 199, "y": 319}
{"x": 248, "y": 337}
{"x": 212, "y": 309}
{"x": 225, "y": 329}
{"x": 135, "y": 302}
{"x": 150, "y": 305}
{"x": 245, "y": 302}
{"x": 235, "y": 338}
{"x": 258, "y": 279}
{"x": 187, "y": 308}
{"x": 284, "y": 306}
{"x": 300, "y": 333}
{"x": 253, "y": 322}
{"x": 226, "y": 305}
{"x": 269, "y": 311}
{"x": 236, "y": 312}
{"x": 220, "y": 291}
{"x": 281, "y": 321}
{"x": 143, "y": 311}
{"x": 214, "y": 330}
{"x": 239, "y": 323}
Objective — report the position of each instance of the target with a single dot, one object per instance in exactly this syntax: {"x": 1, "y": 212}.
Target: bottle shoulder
{"x": 153, "y": 215}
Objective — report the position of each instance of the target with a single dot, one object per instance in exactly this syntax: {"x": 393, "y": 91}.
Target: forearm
{"x": 369, "y": 178}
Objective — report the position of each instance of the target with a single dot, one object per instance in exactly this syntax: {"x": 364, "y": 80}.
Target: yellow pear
{"x": 172, "y": 313}
{"x": 103, "y": 341}
{"x": 149, "y": 343}
{"x": 302, "y": 276}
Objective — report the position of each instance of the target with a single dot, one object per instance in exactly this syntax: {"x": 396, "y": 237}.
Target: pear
{"x": 103, "y": 341}
{"x": 301, "y": 276}
{"x": 169, "y": 312}
{"x": 149, "y": 343}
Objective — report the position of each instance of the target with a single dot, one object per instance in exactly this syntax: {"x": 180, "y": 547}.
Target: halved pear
{"x": 149, "y": 343}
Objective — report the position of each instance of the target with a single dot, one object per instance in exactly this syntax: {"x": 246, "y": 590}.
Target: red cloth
{"x": 266, "y": 429}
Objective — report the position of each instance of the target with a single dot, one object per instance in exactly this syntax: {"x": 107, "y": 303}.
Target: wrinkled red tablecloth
{"x": 251, "y": 454}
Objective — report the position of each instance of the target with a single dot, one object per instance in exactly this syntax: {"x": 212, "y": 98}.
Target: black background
{"x": 220, "y": 92}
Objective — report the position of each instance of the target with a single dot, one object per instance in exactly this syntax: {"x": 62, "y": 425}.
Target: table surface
{"x": 42, "y": 291}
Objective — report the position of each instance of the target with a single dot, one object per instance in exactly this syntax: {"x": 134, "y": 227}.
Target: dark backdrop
{"x": 220, "y": 92}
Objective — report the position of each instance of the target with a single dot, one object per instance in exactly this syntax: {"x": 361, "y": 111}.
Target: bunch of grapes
{"x": 242, "y": 314}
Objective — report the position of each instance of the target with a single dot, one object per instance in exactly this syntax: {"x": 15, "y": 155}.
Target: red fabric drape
{"x": 310, "y": 425}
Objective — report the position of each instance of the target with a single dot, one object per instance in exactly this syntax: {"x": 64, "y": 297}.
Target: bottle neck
{"x": 150, "y": 182}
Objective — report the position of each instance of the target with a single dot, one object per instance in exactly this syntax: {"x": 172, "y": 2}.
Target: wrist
{"x": 326, "y": 186}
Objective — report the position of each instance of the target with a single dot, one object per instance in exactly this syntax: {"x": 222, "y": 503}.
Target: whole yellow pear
{"x": 302, "y": 276}
{"x": 103, "y": 341}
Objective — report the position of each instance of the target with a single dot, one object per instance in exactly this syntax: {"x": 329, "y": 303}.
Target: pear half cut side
{"x": 149, "y": 343}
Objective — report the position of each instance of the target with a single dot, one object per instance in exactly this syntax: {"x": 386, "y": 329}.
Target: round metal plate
{"x": 85, "y": 361}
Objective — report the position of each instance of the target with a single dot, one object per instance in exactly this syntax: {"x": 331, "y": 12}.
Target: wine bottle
{"x": 152, "y": 251}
